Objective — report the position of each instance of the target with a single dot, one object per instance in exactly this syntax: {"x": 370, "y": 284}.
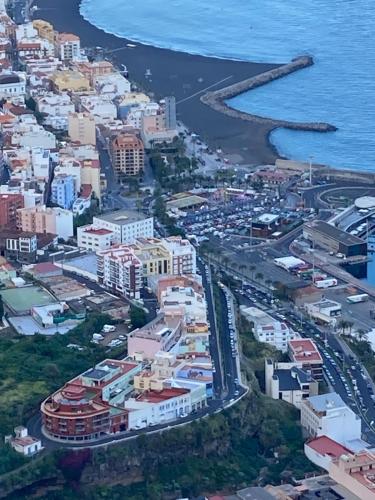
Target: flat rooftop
{"x": 326, "y": 446}
{"x": 304, "y": 350}
{"x": 334, "y": 232}
{"x": 24, "y": 298}
{"x": 122, "y": 217}
{"x": 325, "y": 402}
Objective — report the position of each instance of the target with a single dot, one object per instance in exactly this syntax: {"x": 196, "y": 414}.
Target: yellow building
{"x": 70, "y": 80}
{"x": 155, "y": 258}
{"x": 147, "y": 381}
{"x": 45, "y": 30}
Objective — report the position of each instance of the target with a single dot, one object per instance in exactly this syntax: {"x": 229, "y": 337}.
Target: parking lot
{"x": 240, "y": 220}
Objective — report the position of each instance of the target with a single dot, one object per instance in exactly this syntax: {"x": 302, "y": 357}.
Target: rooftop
{"x": 121, "y": 217}
{"x": 304, "y": 350}
{"x": 326, "y": 446}
{"x": 98, "y": 232}
{"x": 326, "y": 402}
{"x": 291, "y": 379}
{"x": 159, "y": 396}
{"x": 334, "y": 232}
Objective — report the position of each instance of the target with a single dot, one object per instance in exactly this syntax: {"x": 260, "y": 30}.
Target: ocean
{"x": 339, "y": 34}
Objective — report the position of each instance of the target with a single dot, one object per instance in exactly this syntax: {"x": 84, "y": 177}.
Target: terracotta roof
{"x": 326, "y": 446}
{"x": 305, "y": 350}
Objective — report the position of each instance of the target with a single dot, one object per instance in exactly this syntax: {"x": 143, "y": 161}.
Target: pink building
{"x": 43, "y": 220}
{"x": 159, "y": 335}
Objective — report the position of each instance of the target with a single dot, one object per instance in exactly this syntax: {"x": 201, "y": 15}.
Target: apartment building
{"x": 126, "y": 225}
{"x": 43, "y": 219}
{"x": 83, "y": 409}
{"x": 94, "y": 239}
{"x": 63, "y": 191}
{"x": 9, "y": 204}
{"x": 68, "y": 46}
{"x": 268, "y": 329}
{"x": 120, "y": 270}
{"x": 127, "y": 154}
{"x": 356, "y": 472}
{"x": 328, "y": 415}
{"x": 161, "y": 334}
{"x": 81, "y": 128}
{"x": 304, "y": 351}
{"x": 289, "y": 382}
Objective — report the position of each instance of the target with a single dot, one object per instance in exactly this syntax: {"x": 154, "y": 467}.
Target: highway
{"x": 341, "y": 368}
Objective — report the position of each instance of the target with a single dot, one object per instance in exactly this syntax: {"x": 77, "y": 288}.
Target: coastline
{"x": 186, "y": 76}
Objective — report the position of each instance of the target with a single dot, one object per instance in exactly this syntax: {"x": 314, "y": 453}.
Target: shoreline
{"x": 186, "y": 76}
{"x": 217, "y": 99}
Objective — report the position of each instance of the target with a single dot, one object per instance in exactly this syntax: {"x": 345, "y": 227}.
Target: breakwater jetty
{"x": 217, "y": 99}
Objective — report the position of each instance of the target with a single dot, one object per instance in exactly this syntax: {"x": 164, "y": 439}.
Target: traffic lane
{"x": 229, "y": 360}
{"x": 214, "y": 351}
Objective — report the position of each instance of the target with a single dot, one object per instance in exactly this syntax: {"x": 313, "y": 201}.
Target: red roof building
{"x": 306, "y": 352}
{"x": 85, "y": 408}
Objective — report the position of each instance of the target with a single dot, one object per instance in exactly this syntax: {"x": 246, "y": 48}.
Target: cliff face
{"x": 123, "y": 463}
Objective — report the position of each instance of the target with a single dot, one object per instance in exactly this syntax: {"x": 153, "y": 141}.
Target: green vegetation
{"x": 32, "y": 367}
{"x": 138, "y": 316}
{"x": 87, "y": 216}
{"x": 362, "y": 348}
{"x": 257, "y": 441}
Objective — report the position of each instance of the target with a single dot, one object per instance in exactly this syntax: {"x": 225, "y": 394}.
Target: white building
{"x": 35, "y": 137}
{"x": 55, "y": 104}
{"x": 325, "y": 311}
{"x": 183, "y": 255}
{"x": 12, "y": 85}
{"x": 112, "y": 85}
{"x": 126, "y": 225}
{"x": 40, "y": 160}
{"x": 94, "y": 239}
{"x": 101, "y": 108}
{"x": 157, "y": 407}
{"x": 267, "y": 329}
{"x": 118, "y": 269}
{"x": 184, "y": 299}
{"x": 328, "y": 415}
{"x": 25, "y": 444}
{"x": 289, "y": 382}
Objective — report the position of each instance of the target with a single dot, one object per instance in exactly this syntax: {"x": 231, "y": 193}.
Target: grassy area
{"x": 257, "y": 441}
{"x": 34, "y": 366}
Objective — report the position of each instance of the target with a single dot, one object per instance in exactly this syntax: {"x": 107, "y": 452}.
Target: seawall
{"x": 217, "y": 99}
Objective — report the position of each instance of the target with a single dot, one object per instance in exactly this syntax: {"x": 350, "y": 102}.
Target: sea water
{"x": 338, "y": 89}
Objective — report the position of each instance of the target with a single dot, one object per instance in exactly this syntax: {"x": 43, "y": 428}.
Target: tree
{"x": 252, "y": 269}
{"x": 259, "y": 276}
{"x": 137, "y": 316}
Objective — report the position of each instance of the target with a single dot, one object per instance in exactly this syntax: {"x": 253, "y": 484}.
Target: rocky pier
{"x": 217, "y": 99}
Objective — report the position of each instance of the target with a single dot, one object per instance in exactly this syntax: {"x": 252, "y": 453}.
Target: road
{"x": 226, "y": 390}
{"x": 341, "y": 368}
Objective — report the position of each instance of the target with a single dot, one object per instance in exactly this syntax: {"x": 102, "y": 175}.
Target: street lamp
{"x": 310, "y": 168}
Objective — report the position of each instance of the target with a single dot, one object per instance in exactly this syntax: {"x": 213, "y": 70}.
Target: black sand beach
{"x": 179, "y": 74}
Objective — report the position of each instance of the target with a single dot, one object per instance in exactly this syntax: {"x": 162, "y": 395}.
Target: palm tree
{"x": 259, "y": 276}
{"x": 252, "y": 269}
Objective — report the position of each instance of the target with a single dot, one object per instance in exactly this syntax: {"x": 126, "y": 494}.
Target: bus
{"x": 354, "y": 299}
